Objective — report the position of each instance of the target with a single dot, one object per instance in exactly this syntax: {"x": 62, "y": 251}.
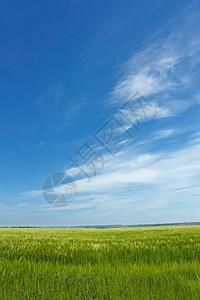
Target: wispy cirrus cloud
{"x": 164, "y": 70}
{"x": 152, "y": 78}
{"x": 140, "y": 181}
{"x": 163, "y": 134}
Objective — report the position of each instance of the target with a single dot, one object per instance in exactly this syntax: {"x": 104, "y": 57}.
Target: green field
{"x": 142, "y": 263}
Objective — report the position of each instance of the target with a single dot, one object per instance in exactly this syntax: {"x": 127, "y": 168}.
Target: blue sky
{"x": 66, "y": 68}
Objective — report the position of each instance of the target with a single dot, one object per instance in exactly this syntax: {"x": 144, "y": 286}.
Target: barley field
{"x": 140, "y": 263}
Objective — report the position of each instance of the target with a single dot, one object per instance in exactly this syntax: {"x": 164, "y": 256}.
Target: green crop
{"x": 142, "y": 263}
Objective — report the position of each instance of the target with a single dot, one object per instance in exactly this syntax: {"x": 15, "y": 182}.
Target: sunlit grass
{"x": 151, "y": 263}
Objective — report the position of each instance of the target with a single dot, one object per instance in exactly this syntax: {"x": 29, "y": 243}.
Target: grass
{"x": 142, "y": 263}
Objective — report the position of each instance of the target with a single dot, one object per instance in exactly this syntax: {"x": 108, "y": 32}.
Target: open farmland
{"x": 140, "y": 263}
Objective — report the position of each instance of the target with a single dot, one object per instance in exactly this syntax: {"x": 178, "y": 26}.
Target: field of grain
{"x": 142, "y": 263}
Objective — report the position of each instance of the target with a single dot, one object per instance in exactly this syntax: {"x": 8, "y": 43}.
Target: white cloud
{"x": 146, "y": 181}
{"x": 163, "y": 134}
{"x": 163, "y": 71}
{"x": 131, "y": 182}
{"x": 147, "y": 80}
